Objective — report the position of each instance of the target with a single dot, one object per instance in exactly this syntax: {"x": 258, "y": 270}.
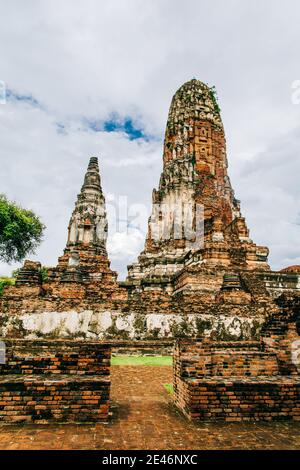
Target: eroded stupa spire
{"x": 85, "y": 256}
{"x": 88, "y": 223}
{"x": 195, "y": 179}
{"x": 92, "y": 177}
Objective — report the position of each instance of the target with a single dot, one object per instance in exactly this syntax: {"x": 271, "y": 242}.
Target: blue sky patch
{"x": 25, "y": 98}
{"x": 114, "y": 123}
{"x": 117, "y": 124}
{"x": 127, "y": 126}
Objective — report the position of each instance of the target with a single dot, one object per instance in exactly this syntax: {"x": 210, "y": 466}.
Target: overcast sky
{"x": 95, "y": 78}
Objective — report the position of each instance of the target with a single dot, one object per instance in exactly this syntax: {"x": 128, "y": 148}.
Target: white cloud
{"x": 44, "y": 171}
{"x": 271, "y": 197}
{"x": 122, "y": 245}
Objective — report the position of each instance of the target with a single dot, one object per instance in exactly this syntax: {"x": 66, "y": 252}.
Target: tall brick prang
{"x": 195, "y": 176}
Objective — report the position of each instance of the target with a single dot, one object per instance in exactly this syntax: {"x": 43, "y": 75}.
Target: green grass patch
{"x": 169, "y": 388}
{"x": 141, "y": 360}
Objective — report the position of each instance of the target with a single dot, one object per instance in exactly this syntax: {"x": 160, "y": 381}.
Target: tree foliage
{"x": 21, "y": 231}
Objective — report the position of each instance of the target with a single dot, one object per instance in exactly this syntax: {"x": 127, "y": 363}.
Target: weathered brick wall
{"x": 241, "y": 399}
{"x": 160, "y": 347}
{"x": 280, "y": 333}
{"x": 193, "y": 303}
{"x": 244, "y": 380}
{"x": 56, "y": 357}
{"x": 202, "y": 358}
{"x": 61, "y": 381}
{"x": 61, "y": 399}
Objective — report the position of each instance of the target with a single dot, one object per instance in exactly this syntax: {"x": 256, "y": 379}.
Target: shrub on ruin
{"x": 5, "y": 281}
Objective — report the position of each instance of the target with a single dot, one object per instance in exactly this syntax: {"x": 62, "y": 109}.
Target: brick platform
{"x": 233, "y": 381}
{"x": 62, "y": 381}
{"x": 243, "y": 380}
{"x": 240, "y": 399}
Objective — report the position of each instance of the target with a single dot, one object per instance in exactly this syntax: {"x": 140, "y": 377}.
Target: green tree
{"x": 21, "y": 231}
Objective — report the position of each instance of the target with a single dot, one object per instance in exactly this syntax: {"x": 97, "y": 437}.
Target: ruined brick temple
{"x": 218, "y": 284}
{"x": 204, "y": 279}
